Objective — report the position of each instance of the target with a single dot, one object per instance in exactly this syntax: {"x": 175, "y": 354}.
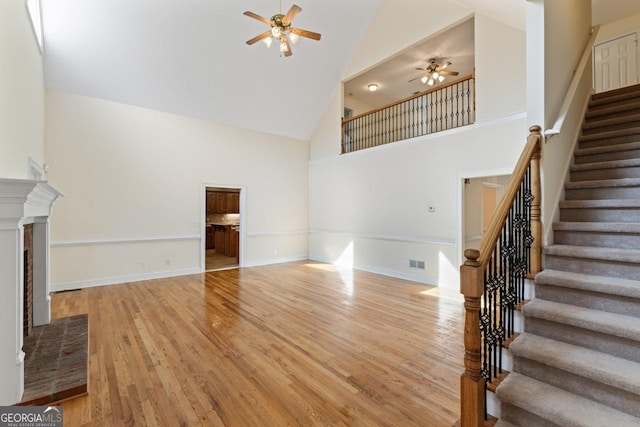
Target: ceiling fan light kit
{"x": 281, "y": 30}
{"x": 434, "y": 72}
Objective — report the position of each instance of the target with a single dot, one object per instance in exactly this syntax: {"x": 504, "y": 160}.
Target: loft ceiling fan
{"x": 281, "y": 29}
{"x": 434, "y": 72}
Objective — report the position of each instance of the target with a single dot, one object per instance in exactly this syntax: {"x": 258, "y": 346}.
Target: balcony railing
{"x": 446, "y": 107}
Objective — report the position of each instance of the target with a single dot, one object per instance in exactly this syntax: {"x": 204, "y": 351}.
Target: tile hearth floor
{"x": 56, "y": 361}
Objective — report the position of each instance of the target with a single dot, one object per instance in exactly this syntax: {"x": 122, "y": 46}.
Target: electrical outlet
{"x": 167, "y": 261}
{"x": 143, "y": 264}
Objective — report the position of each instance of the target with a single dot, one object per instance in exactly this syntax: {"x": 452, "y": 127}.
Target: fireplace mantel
{"x": 21, "y": 202}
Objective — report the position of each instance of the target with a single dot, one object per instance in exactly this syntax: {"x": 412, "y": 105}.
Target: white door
{"x": 616, "y": 63}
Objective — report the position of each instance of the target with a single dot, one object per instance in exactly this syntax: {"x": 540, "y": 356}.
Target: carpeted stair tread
{"x": 503, "y": 423}
{"x": 595, "y": 253}
{"x": 603, "y": 227}
{"x": 618, "y": 325}
{"x": 588, "y": 282}
{"x": 559, "y": 406}
{"x": 606, "y": 165}
{"x": 604, "y": 368}
{"x": 607, "y": 149}
{"x": 604, "y": 183}
{"x": 600, "y": 203}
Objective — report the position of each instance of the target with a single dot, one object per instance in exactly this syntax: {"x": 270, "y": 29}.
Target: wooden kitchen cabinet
{"x": 234, "y": 243}
{"x": 232, "y": 202}
{"x": 222, "y": 202}
{"x": 210, "y": 239}
{"x": 211, "y": 202}
{"x": 220, "y": 239}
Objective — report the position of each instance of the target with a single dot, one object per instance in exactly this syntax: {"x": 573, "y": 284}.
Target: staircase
{"x": 577, "y": 363}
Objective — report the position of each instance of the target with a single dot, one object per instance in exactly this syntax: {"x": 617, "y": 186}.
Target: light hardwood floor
{"x": 296, "y": 344}
{"x": 215, "y": 261}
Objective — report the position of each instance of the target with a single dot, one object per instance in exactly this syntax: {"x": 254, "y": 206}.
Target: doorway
{"x": 480, "y": 199}
{"x": 222, "y": 242}
{"x": 616, "y": 63}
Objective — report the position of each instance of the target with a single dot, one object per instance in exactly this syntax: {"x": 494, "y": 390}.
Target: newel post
{"x": 536, "y": 191}
{"x": 472, "y": 385}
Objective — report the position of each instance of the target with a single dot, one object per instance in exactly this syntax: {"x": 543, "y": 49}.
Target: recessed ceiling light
{"x": 373, "y": 87}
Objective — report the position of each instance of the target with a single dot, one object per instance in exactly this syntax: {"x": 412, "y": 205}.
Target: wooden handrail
{"x": 417, "y": 95}
{"x": 530, "y": 152}
{"x": 472, "y": 286}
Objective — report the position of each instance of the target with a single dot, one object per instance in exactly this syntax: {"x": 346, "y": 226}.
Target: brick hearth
{"x": 56, "y": 361}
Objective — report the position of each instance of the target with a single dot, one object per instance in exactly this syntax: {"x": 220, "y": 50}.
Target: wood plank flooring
{"x": 215, "y": 261}
{"x": 297, "y": 344}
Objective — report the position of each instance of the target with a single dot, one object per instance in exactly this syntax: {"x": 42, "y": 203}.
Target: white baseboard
{"x": 427, "y": 280}
{"x": 259, "y": 262}
{"x": 56, "y": 287}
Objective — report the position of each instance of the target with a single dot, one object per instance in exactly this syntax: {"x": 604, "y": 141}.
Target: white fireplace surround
{"x": 21, "y": 202}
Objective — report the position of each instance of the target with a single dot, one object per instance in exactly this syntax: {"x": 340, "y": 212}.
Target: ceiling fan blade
{"x": 259, "y": 37}
{"x": 305, "y": 33}
{"x": 421, "y": 69}
{"x": 292, "y": 13}
{"x": 258, "y": 17}
{"x": 288, "y": 51}
{"x": 443, "y": 66}
{"x": 448, "y": 73}
{"x": 414, "y": 79}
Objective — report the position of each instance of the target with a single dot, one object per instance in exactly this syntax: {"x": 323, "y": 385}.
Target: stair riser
{"x": 604, "y": 112}
{"x": 600, "y": 239}
{"x": 602, "y": 193}
{"x": 620, "y": 119}
{"x": 590, "y": 129}
{"x": 594, "y": 300}
{"x": 521, "y": 417}
{"x": 607, "y": 157}
{"x": 611, "y": 173}
{"x": 614, "y": 397}
{"x": 593, "y": 266}
{"x": 603, "y": 96}
{"x": 605, "y": 142}
{"x": 619, "y": 347}
{"x": 600, "y": 215}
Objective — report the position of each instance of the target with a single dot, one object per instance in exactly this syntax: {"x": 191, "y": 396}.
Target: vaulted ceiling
{"x": 189, "y": 57}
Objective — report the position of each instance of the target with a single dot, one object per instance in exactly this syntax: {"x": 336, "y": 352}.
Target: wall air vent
{"x": 417, "y": 264}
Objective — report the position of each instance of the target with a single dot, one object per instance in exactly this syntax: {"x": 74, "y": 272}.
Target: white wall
{"x": 21, "y": 92}
{"x": 133, "y": 183}
{"x": 622, "y": 26}
{"x": 556, "y": 39}
{"x": 397, "y": 25}
{"x": 500, "y": 57}
{"x": 368, "y": 209}
{"x": 357, "y": 106}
